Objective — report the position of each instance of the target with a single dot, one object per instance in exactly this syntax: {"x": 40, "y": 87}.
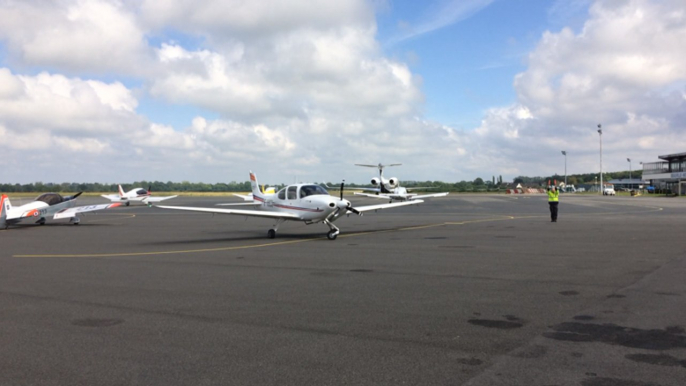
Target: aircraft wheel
{"x": 41, "y": 221}
{"x": 332, "y": 235}
{"x": 127, "y": 204}
{"x": 271, "y": 234}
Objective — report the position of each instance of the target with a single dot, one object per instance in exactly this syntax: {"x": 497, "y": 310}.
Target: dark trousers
{"x": 553, "y": 210}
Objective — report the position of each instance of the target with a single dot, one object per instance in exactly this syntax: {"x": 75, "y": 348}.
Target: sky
{"x": 117, "y": 91}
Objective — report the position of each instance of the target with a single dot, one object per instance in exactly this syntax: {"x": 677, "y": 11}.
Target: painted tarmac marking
{"x": 176, "y": 252}
{"x": 125, "y": 215}
{"x": 128, "y": 254}
{"x": 499, "y": 218}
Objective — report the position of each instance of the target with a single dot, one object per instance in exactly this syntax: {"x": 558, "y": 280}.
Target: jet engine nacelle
{"x": 392, "y": 182}
{"x": 375, "y": 181}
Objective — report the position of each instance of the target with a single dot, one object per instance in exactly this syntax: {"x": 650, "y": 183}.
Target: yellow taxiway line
{"x": 264, "y": 245}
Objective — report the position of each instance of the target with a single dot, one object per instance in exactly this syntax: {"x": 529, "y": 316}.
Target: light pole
{"x": 600, "y": 134}
{"x": 564, "y": 153}
{"x": 629, "y": 160}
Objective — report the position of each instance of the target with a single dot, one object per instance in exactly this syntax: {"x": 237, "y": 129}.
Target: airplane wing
{"x": 241, "y": 204}
{"x": 385, "y": 206}
{"x": 240, "y": 212}
{"x": 156, "y": 199}
{"x": 365, "y": 189}
{"x": 380, "y": 195}
{"x": 430, "y": 195}
{"x": 111, "y": 197}
{"x": 72, "y": 212}
{"x": 409, "y": 197}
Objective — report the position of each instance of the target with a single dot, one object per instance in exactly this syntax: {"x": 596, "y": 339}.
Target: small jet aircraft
{"x": 135, "y": 195}
{"x": 309, "y": 203}
{"x": 390, "y": 189}
{"x": 47, "y": 204}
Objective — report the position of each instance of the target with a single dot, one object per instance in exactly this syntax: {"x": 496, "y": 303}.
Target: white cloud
{"x": 442, "y": 14}
{"x": 304, "y": 88}
{"x": 95, "y": 36}
{"x": 625, "y": 69}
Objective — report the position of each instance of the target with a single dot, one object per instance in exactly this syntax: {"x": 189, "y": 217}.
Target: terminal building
{"x": 667, "y": 175}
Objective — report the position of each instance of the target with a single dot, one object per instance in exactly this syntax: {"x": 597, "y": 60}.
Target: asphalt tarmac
{"x": 462, "y": 290}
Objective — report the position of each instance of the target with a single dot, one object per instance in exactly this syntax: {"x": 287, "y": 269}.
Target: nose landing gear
{"x": 333, "y": 232}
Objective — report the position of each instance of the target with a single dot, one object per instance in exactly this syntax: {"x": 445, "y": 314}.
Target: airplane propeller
{"x": 72, "y": 197}
{"x": 349, "y": 206}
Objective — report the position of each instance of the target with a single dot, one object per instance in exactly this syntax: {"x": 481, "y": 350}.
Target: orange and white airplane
{"x": 135, "y": 195}
{"x": 45, "y": 205}
{"x": 309, "y": 203}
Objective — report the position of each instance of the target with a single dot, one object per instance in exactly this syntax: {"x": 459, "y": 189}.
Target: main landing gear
{"x": 75, "y": 220}
{"x": 41, "y": 221}
{"x": 331, "y": 235}
{"x": 271, "y": 234}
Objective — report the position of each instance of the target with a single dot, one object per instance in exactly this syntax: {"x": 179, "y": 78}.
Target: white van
{"x": 609, "y": 191}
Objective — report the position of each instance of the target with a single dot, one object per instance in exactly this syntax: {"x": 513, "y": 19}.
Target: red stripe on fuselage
{"x": 261, "y": 199}
{"x": 298, "y": 208}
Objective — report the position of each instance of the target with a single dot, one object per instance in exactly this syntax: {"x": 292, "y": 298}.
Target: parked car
{"x": 609, "y": 191}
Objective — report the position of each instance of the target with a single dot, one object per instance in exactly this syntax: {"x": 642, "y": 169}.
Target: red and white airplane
{"x": 309, "y": 203}
{"x": 135, "y": 195}
{"x": 390, "y": 189}
{"x": 45, "y": 205}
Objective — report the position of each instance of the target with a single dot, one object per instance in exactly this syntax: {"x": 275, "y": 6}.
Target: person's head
{"x": 554, "y": 188}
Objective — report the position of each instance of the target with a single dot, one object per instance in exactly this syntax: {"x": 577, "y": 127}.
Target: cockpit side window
{"x": 282, "y": 194}
{"x": 311, "y": 190}
{"x": 292, "y": 192}
{"x": 141, "y": 192}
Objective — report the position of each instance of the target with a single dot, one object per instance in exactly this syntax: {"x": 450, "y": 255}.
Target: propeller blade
{"x": 69, "y": 198}
{"x": 342, "y": 184}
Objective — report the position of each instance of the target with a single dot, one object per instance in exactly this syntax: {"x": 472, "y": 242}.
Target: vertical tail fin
{"x": 5, "y": 207}
{"x": 121, "y": 191}
{"x": 254, "y": 185}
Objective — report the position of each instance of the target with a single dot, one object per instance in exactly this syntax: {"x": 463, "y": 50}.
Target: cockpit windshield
{"x": 312, "y": 190}
{"x": 50, "y": 198}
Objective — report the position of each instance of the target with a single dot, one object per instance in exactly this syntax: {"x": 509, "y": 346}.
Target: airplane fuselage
{"x": 311, "y": 203}
{"x": 38, "y": 210}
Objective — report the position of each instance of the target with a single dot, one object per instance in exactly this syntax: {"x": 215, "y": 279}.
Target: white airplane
{"x": 135, "y": 195}
{"x": 308, "y": 203}
{"x": 390, "y": 189}
{"x": 47, "y": 204}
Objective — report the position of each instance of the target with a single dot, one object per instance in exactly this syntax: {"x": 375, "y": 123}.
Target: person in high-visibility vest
{"x": 553, "y": 201}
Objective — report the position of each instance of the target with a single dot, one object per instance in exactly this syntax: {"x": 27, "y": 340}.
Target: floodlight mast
{"x": 564, "y": 153}
{"x": 600, "y": 134}
{"x": 629, "y": 160}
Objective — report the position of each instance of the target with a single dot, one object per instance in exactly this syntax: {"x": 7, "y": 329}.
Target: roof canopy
{"x": 670, "y": 157}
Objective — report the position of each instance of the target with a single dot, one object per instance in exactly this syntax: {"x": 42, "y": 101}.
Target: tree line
{"x": 578, "y": 179}
{"x": 493, "y": 184}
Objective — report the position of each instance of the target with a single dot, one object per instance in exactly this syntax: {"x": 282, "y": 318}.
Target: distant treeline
{"x": 578, "y": 179}
{"x": 478, "y": 185}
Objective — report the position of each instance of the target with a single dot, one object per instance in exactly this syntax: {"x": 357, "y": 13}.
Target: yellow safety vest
{"x": 553, "y": 196}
